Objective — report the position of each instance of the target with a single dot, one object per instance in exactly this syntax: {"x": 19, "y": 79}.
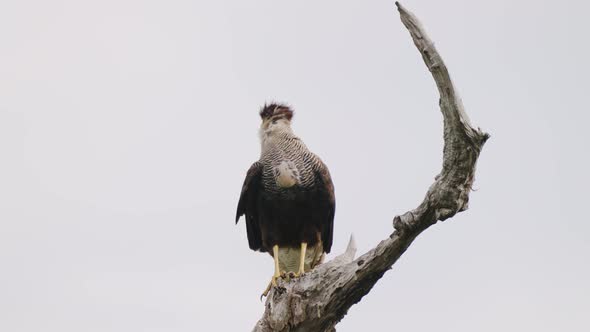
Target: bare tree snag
{"x": 319, "y": 299}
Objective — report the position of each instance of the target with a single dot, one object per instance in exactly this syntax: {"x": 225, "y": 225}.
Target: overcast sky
{"x": 127, "y": 127}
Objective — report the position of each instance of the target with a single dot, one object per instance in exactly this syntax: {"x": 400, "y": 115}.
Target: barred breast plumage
{"x": 286, "y": 162}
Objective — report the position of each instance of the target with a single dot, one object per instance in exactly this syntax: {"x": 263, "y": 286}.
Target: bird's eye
{"x": 274, "y": 121}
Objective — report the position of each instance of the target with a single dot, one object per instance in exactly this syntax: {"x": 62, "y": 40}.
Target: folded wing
{"x": 247, "y": 205}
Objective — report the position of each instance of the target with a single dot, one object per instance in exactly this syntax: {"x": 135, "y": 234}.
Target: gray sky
{"x": 127, "y": 127}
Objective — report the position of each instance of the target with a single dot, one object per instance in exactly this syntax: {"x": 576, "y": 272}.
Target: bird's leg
{"x": 302, "y": 259}
{"x": 275, "y": 256}
{"x": 276, "y": 275}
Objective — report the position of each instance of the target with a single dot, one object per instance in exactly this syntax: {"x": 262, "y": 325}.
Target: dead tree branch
{"x": 320, "y": 299}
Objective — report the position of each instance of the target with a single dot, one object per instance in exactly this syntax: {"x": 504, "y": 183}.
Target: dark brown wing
{"x": 247, "y": 205}
{"x": 327, "y": 205}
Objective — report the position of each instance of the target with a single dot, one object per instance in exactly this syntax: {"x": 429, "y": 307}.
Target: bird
{"x": 287, "y": 199}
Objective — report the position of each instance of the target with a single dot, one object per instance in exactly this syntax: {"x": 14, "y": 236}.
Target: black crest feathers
{"x": 276, "y": 110}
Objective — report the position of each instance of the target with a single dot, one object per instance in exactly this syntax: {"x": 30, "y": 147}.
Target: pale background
{"x": 126, "y": 129}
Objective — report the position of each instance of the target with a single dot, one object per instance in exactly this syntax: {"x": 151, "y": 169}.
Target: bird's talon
{"x": 265, "y": 293}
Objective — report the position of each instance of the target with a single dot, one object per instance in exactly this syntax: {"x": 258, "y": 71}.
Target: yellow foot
{"x": 277, "y": 274}
{"x": 265, "y": 293}
{"x": 299, "y": 273}
{"x": 272, "y": 283}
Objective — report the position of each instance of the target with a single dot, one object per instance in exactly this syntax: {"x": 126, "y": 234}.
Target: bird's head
{"x": 276, "y": 118}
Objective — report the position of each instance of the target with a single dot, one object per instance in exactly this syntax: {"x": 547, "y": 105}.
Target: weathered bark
{"x": 319, "y": 299}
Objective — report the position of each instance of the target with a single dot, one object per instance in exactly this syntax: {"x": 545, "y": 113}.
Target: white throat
{"x": 269, "y": 132}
